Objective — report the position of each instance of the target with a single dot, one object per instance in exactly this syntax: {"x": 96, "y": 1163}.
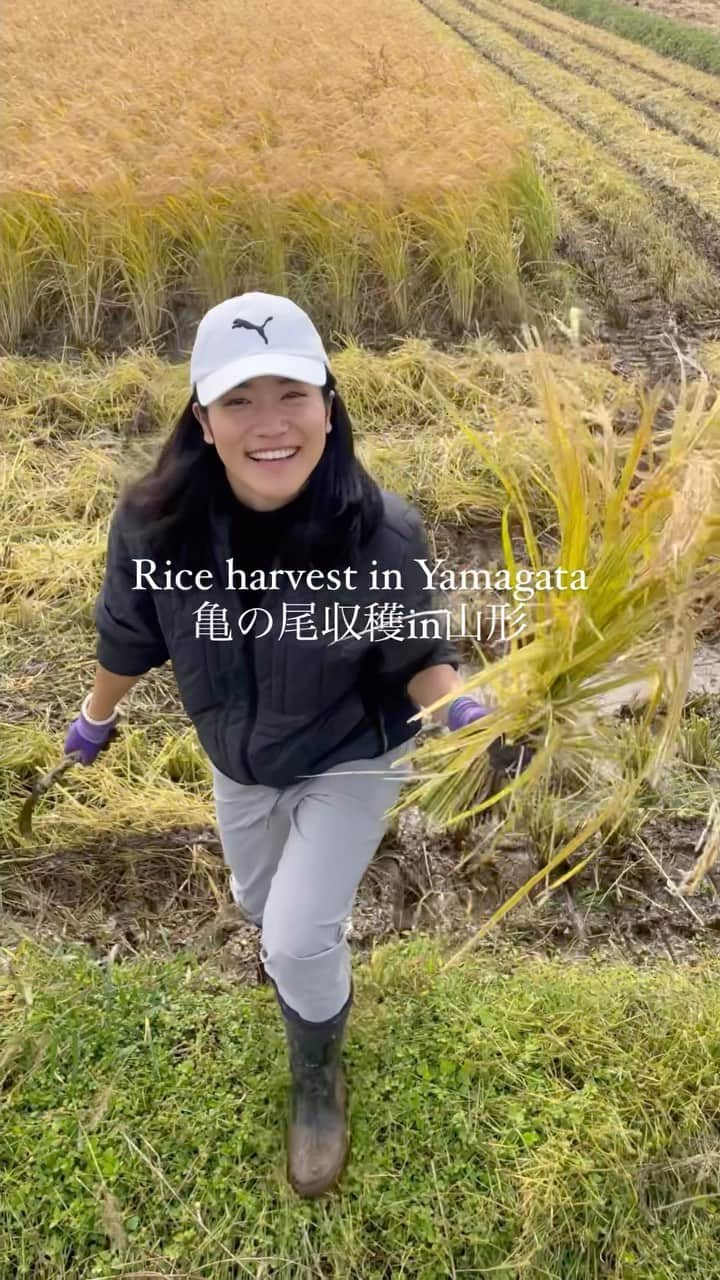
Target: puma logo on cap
{"x": 259, "y": 328}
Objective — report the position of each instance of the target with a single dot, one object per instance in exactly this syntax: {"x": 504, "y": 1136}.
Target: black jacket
{"x": 272, "y": 708}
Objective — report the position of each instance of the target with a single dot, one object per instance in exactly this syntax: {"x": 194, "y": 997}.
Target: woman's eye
{"x": 241, "y": 400}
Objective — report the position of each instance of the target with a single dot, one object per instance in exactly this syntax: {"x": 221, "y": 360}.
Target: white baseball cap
{"x": 252, "y": 335}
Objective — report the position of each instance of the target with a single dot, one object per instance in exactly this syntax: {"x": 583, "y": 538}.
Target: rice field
{"x": 130, "y": 204}
{"x": 503, "y": 219}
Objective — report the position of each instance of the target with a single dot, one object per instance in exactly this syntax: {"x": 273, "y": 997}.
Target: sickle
{"x": 508, "y": 760}
{"x": 39, "y": 786}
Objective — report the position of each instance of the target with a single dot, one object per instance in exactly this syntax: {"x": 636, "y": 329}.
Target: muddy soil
{"x": 135, "y": 895}
{"x": 639, "y": 331}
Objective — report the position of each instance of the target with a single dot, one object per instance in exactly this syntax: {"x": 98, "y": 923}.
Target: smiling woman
{"x": 270, "y": 434}
{"x": 260, "y": 472}
{"x": 259, "y": 388}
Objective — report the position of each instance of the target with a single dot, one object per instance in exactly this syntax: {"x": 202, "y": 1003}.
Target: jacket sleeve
{"x": 397, "y": 660}
{"x": 130, "y": 640}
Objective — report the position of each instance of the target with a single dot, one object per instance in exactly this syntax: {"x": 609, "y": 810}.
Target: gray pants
{"x": 297, "y": 855}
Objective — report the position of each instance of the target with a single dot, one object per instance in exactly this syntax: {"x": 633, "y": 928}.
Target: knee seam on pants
{"x": 313, "y": 987}
{"x": 283, "y": 953}
{"x": 328, "y": 1023}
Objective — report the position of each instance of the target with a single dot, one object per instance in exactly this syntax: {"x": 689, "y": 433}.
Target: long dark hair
{"x": 174, "y": 500}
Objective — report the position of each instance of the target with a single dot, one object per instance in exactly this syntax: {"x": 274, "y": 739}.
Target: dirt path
{"x": 702, "y": 13}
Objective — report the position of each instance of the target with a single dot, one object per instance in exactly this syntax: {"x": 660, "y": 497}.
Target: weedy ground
{"x": 517, "y": 1117}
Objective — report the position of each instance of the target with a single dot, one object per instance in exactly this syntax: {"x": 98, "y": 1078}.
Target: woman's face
{"x": 267, "y": 414}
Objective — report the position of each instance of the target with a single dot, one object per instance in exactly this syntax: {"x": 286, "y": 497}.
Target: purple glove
{"x": 504, "y": 759}
{"x": 89, "y": 736}
{"x": 463, "y": 711}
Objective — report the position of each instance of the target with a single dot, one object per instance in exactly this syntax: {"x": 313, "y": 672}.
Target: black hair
{"x": 173, "y": 501}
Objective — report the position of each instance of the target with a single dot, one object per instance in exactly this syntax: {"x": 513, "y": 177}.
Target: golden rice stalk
{"x": 708, "y": 848}
{"x": 642, "y": 523}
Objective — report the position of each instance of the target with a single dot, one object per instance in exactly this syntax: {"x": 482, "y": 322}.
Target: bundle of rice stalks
{"x": 637, "y": 535}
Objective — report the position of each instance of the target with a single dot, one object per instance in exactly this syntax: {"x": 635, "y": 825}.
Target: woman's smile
{"x": 273, "y": 457}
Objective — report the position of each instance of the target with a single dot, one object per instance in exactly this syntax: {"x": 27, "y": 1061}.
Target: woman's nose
{"x": 268, "y": 425}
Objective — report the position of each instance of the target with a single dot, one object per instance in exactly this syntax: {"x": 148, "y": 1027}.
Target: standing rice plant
{"x": 525, "y": 224}
{"x": 389, "y": 247}
{"x": 534, "y": 214}
{"x": 212, "y": 243}
{"x": 20, "y": 269}
{"x": 145, "y": 258}
{"x": 266, "y": 263}
{"x": 480, "y": 242}
{"x": 328, "y": 237}
{"x": 318, "y": 202}
{"x": 639, "y": 531}
{"x": 73, "y": 242}
{"x": 457, "y": 248}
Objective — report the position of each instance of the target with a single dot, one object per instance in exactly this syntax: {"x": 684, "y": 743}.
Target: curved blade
{"x": 507, "y": 759}
{"x": 39, "y": 786}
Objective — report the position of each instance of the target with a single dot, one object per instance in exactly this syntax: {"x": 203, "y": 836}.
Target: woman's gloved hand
{"x": 90, "y": 737}
{"x": 503, "y": 758}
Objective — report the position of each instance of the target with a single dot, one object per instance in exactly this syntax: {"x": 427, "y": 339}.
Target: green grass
{"x": 520, "y": 1119}
{"x": 679, "y": 40}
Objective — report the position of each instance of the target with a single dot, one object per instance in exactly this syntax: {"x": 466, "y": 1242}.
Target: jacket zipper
{"x": 252, "y": 684}
{"x": 249, "y": 648}
{"x": 374, "y": 712}
{"x": 252, "y": 689}
{"x": 383, "y": 733}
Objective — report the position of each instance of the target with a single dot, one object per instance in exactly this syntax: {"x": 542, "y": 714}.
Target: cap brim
{"x": 238, "y": 371}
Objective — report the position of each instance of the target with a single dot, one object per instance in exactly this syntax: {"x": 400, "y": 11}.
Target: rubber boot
{"x": 318, "y": 1140}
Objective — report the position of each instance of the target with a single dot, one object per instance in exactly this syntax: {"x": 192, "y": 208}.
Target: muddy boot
{"x": 317, "y": 1137}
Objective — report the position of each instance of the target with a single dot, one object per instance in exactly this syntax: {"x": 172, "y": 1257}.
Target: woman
{"x": 301, "y": 721}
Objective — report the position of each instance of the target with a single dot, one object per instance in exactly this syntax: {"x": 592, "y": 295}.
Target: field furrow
{"x": 689, "y": 179}
{"x": 670, "y": 108}
{"x": 635, "y": 226}
{"x": 655, "y": 155}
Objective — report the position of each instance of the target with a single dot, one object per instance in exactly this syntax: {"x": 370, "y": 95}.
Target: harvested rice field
{"x": 504, "y": 221}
